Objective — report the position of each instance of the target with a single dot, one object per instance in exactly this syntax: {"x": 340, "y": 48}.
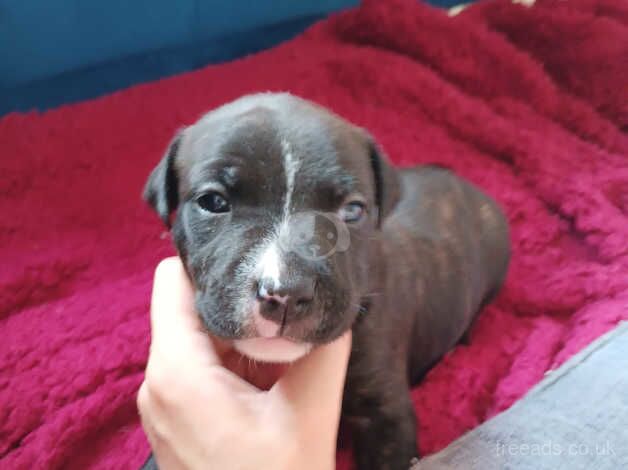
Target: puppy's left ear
{"x": 162, "y": 188}
{"x": 386, "y": 180}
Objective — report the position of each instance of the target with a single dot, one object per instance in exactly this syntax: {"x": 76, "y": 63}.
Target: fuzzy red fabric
{"x": 530, "y": 103}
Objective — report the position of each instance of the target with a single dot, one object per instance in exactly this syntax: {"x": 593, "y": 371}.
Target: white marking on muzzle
{"x": 270, "y": 262}
{"x": 270, "y": 265}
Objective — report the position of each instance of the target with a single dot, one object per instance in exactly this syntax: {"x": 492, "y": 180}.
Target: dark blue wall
{"x": 60, "y": 51}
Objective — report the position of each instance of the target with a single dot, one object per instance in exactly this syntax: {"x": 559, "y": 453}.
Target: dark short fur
{"x": 432, "y": 252}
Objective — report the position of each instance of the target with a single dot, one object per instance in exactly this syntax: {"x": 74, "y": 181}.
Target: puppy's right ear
{"x": 162, "y": 188}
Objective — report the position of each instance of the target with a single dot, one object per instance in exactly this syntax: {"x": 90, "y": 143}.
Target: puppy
{"x": 293, "y": 228}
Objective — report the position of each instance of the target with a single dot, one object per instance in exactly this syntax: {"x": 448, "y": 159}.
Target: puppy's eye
{"x": 352, "y": 212}
{"x": 213, "y": 202}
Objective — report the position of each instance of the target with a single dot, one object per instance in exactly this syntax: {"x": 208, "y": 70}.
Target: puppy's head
{"x": 276, "y": 201}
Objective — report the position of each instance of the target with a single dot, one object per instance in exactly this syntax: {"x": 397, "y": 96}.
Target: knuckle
{"x": 160, "y": 382}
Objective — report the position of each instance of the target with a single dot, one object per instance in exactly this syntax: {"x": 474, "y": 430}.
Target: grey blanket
{"x": 576, "y": 418}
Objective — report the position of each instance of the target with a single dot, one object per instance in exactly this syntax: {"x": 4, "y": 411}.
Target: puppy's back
{"x": 448, "y": 246}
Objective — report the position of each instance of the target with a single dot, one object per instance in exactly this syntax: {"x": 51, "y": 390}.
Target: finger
{"x": 175, "y": 325}
{"x": 313, "y": 385}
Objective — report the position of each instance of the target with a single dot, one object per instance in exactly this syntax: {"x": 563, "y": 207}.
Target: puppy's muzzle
{"x": 283, "y": 304}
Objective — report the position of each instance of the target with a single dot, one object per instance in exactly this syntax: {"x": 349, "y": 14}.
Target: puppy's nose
{"x": 284, "y": 302}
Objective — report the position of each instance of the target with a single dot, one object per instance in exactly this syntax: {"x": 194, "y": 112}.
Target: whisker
{"x": 373, "y": 294}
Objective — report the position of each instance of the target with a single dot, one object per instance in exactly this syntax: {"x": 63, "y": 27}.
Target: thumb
{"x": 313, "y": 386}
{"x": 176, "y": 329}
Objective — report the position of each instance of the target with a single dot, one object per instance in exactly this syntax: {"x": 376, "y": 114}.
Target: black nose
{"x": 287, "y": 301}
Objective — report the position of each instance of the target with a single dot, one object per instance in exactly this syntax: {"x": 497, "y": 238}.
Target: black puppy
{"x": 294, "y": 228}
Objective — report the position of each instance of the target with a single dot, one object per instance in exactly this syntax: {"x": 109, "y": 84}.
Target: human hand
{"x": 199, "y": 412}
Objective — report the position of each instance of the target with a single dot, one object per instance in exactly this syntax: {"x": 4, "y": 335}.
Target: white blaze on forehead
{"x": 270, "y": 260}
{"x": 291, "y": 165}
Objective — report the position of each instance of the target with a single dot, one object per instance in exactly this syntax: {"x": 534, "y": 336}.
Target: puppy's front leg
{"x": 381, "y": 417}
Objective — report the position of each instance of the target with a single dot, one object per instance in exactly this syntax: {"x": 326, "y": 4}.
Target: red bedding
{"x": 530, "y": 103}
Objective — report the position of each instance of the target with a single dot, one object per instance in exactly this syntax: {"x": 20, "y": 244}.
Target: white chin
{"x": 272, "y": 349}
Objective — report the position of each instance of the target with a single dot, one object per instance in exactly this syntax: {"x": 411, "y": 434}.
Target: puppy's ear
{"x": 161, "y": 190}
{"x": 386, "y": 180}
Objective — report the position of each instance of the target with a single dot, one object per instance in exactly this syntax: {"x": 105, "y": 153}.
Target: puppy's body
{"x": 424, "y": 250}
{"x": 442, "y": 254}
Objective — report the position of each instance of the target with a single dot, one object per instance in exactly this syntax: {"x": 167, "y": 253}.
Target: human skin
{"x": 203, "y": 405}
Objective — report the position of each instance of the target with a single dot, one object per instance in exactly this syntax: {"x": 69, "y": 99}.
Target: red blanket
{"x": 530, "y": 103}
